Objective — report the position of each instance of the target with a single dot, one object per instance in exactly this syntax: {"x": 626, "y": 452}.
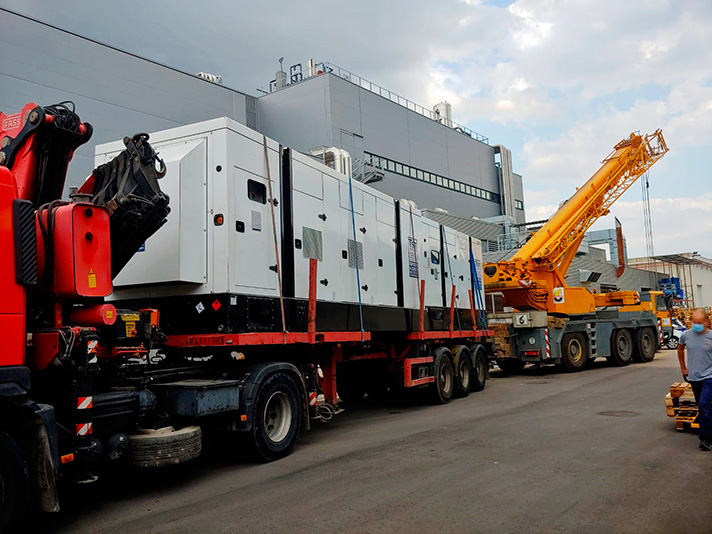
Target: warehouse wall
{"x": 118, "y": 93}
{"x": 328, "y": 110}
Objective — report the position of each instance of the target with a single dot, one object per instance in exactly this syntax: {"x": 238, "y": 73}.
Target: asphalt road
{"x": 542, "y": 452}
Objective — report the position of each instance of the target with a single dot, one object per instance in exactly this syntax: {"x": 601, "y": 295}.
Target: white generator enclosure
{"x": 246, "y": 211}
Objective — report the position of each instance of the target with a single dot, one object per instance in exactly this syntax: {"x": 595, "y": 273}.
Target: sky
{"x": 557, "y": 82}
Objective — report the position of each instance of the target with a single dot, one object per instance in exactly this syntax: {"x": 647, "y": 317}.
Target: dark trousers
{"x": 703, "y": 396}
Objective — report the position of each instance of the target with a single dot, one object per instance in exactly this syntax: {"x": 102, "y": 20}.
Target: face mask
{"x": 698, "y": 327}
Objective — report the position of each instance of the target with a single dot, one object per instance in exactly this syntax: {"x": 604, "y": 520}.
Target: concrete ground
{"x": 542, "y": 452}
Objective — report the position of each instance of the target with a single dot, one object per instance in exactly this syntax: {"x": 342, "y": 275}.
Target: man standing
{"x": 698, "y": 371}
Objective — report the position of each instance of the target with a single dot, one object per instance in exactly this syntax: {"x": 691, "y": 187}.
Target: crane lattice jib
{"x": 630, "y": 159}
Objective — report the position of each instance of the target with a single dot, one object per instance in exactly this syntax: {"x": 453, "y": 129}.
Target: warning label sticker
{"x": 199, "y": 307}
{"x": 92, "y": 278}
{"x": 558, "y": 294}
{"x": 412, "y": 257}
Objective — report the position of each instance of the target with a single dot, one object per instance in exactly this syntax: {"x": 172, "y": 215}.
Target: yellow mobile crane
{"x": 555, "y": 323}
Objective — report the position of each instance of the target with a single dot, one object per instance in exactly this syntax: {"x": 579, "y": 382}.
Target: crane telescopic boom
{"x": 534, "y": 277}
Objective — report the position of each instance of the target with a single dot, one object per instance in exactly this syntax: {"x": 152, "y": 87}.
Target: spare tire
{"x": 165, "y": 446}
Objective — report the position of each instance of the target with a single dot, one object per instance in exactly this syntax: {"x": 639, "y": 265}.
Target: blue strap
{"x": 478, "y": 287}
{"x": 358, "y": 275}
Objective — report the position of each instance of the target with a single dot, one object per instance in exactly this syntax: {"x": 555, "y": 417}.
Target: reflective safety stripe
{"x": 83, "y": 429}
{"x": 546, "y": 342}
{"x": 312, "y": 398}
{"x": 84, "y": 403}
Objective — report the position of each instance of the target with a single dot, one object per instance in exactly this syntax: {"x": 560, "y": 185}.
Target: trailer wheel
{"x": 621, "y": 348}
{"x": 481, "y": 368}
{"x": 442, "y": 388}
{"x": 645, "y": 345}
{"x": 277, "y": 418}
{"x": 574, "y": 352}
{"x": 463, "y": 371}
{"x": 511, "y": 366}
{"x": 14, "y": 482}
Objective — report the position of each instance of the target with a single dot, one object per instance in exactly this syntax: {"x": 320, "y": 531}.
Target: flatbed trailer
{"x": 573, "y": 342}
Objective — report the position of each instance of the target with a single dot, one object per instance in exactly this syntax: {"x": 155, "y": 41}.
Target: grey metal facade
{"x": 118, "y": 93}
{"x": 329, "y": 110}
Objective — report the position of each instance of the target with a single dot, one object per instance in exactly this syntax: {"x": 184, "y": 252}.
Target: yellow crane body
{"x": 533, "y": 279}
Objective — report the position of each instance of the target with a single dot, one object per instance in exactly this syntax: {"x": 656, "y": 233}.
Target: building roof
{"x": 473, "y": 227}
{"x": 685, "y": 258}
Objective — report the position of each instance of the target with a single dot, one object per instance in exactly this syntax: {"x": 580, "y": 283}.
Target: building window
{"x": 518, "y": 204}
{"x": 419, "y": 174}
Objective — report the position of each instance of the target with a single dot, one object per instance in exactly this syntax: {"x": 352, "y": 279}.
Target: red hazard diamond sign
{"x": 216, "y": 305}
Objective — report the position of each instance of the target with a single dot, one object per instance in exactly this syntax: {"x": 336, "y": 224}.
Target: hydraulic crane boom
{"x": 534, "y": 277}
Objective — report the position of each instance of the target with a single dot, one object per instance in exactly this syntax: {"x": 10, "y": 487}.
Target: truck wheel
{"x": 165, "y": 446}
{"x": 574, "y": 352}
{"x": 442, "y": 388}
{"x": 645, "y": 344}
{"x": 14, "y": 482}
{"x": 511, "y": 366}
{"x": 463, "y": 371}
{"x": 621, "y": 348}
{"x": 277, "y": 418}
{"x": 480, "y": 369}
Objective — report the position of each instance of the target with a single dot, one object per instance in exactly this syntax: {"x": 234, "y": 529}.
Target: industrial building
{"x": 422, "y": 154}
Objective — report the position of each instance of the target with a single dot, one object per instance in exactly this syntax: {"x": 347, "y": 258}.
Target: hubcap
{"x": 464, "y": 374}
{"x": 646, "y": 343}
{"x": 480, "y": 370}
{"x": 575, "y": 350}
{"x": 278, "y": 416}
{"x": 623, "y": 347}
{"x": 445, "y": 379}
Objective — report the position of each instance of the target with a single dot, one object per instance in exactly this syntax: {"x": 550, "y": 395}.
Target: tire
{"x": 463, "y": 371}
{"x": 165, "y": 446}
{"x": 511, "y": 366}
{"x": 442, "y": 388}
{"x": 277, "y": 418}
{"x": 673, "y": 342}
{"x": 645, "y": 345}
{"x": 480, "y": 371}
{"x": 574, "y": 352}
{"x": 14, "y": 482}
{"x": 621, "y": 348}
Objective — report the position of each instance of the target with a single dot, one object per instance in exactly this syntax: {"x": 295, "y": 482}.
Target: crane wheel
{"x": 621, "y": 348}
{"x": 463, "y": 370}
{"x": 14, "y": 483}
{"x": 645, "y": 344}
{"x": 442, "y": 388}
{"x": 480, "y": 370}
{"x": 574, "y": 352}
